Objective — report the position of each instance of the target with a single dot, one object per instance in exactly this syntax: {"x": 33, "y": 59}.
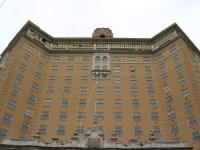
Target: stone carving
{"x": 102, "y": 33}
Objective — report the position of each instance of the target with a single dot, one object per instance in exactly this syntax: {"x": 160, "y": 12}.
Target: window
{"x": 196, "y": 136}
{"x": 67, "y": 90}
{"x": 29, "y": 48}
{"x": 136, "y": 116}
{"x": 15, "y": 91}
{"x": 133, "y": 80}
{"x": 99, "y": 90}
{"x": 19, "y": 79}
{"x": 185, "y": 93}
{"x": 118, "y": 131}
{"x": 69, "y": 68}
{"x": 174, "y": 128}
{"x": 61, "y": 129}
{"x": 117, "y": 90}
{"x": 11, "y": 104}
{"x": 63, "y": 116}
{"x": 83, "y": 90}
{"x": 164, "y": 76}
{"x": 171, "y": 114}
{"x": 25, "y": 126}
{"x": 54, "y": 68}
{"x": 71, "y": 58}
{"x": 99, "y": 103}
{"x": 118, "y": 116}
{"x": 50, "y": 90}
{"x": 156, "y": 130}
{"x": 52, "y": 79}
{"x": 173, "y": 49}
{"x": 181, "y": 81}
{"x": 23, "y": 67}
{"x": 37, "y": 76}
{"x": 178, "y": 69}
{"x": 131, "y": 68}
{"x": 45, "y": 115}
{"x": 149, "y": 79}
{"x": 84, "y": 79}
{"x": 26, "y": 57}
{"x": 47, "y": 102}
{"x": 161, "y": 66}
{"x": 99, "y": 116}
{"x": 151, "y": 91}
{"x": 104, "y": 67}
{"x": 135, "y": 103}
{"x": 64, "y": 103}
{"x": 138, "y": 131}
{"x": 169, "y": 100}
{"x": 166, "y": 88}
{"x": 35, "y": 87}
{"x": 28, "y": 112}
{"x": 85, "y": 69}
{"x": 147, "y": 68}
{"x": 3, "y": 134}
{"x": 118, "y": 103}
{"x": 188, "y": 106}
{"x": 116, "y": 79}
{"x": 154, "y": 116}
{"x": 134, "y": 91}
{"x": 81, "y": 116}
{"x": 41, "y": 65}
{"x": 82, "y": 103}
{"x": 175, "y": 58}
{"x": 152, "y": 103}
{"x": 7, "y": 119}
{"x": 80, "y": 130}
{"x": 116, "y": 69}
{"x": 32, "y": 99}
{"x": 192, "y": 121}
{"x": 159, "y": 57}
{"x": 42, "y": 129}
{"x": 146, "y": 59}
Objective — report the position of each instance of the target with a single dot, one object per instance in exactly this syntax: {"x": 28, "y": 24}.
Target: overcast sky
{"x": 126, "y": 18}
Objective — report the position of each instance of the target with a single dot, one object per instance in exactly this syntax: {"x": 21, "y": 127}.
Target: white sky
{"x": 78, "y": 18}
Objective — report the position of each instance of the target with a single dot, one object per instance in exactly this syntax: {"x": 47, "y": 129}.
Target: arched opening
{"x": 102, "y": 36}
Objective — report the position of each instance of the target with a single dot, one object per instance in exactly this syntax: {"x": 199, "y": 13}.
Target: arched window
{"x": 97, "y": 59}
{"x": 97, "y": 67}
{"x": 105, "y": 59}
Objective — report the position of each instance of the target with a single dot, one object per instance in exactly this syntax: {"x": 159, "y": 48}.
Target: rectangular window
{"x": 50, "y": 90}
{"x": 45, "y": 115}
{"x": 164, "y": 76}
{"x": 156, "y": 130}
{"x": 42, "y": 129}
{"x": 159, "y": 57}
{"x": 80, "y": 130}
{"x": 25, "y": 126}
{"x": 64, "y": 103}
{"x": 15, "y": 91}
{"x": 28, "y": 112}
{"x": 26, "y": 57}
{"x": 82, "y": 103}
{"x": 181, "y": 81}
{"x": 3, "y": 134}
{"x": 152, "y": 103}
{"x": 85, "y": 69}
{"x": 136, "y": 116}
{"x": 68, "y": 79}
{"x": 81, "y": 116}
{"x": 185, "y": 93}
{"x": 171, "y": 114}
{"x": 67, "y": 90}
{"x": 192, "y": 121}
{"x": 99, "y": 116}
{"x": 151, "y": 91}
{"x": 147, "y": 68}
{"x": 117, "y": 90}
{"x": 83, "y": 90}
{"x": 173, "y": 49}
{"x": 118, "y": 103}
{"x": 169, "y": 100}
{"x": 188, "y": 106}
{"x": 146, "y": 60}
{"x": 69, "y": 68}
{"x": 174, "y": 128}
{"x": 133, "y": 80}
{"x": 166, "y": 88}
{"x": 135, "y": 103}
{"x": 35, "y": 87}
{"x": 54, "y": 68}
{"x": 161, "y": 66}
{"x": 100, "y": 91}
{"x": 132, "y": 69}
{"x": 23, "y": 67}
{"x": 29, "y": 48}
{"x": 11, "y": 104}
{"x": 52, "y": 79}
{"x": 61, "y": 129}
{"x": 178, "y": 69}
{"x": 32, "y": 99}
{"x": 134, "y": 91}
{"x": 196, "y": 136}
{"x": 149, "y": 79}
{"x": 99, "y": 103}
{"x": 116, "y": 69}
{"x": 19, "y": 79}
{"x": 84, "y": 79}
{"x": 7, "y": 119}
{"x": 154, "y": 116}
{"x": 116, "y": 79}
{"x": 118, "y": 116}
{"x": 37, "y": 76}
{"x": 47, "y": 102}
{"x": 118, "y": 131}
{"x": 175, "y": 59}
{"x": 40, "y": 65}
{"x": 138, "y": 131}
{"x": 63, "y": 115}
